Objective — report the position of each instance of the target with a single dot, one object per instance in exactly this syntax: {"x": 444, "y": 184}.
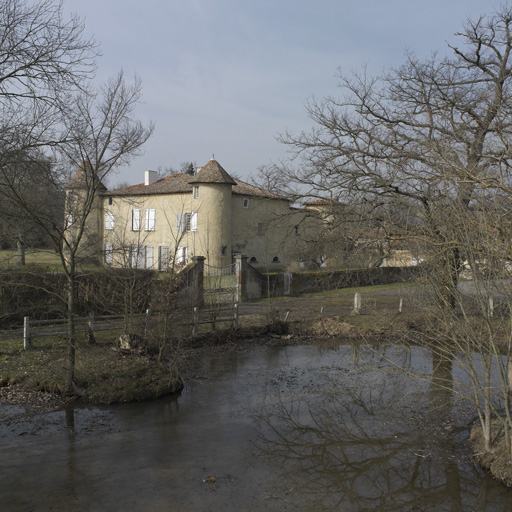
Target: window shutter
{"x": 179, "y": 221}
{"x": 135, "y": 220}
{"x": 193, "y": 221}
{"x": 109, "y": 220}
{"x": 149, "y": 256}
{"x": 109, "y": 254}
{"x": 163, "y": 257}
{"x": 150, "y": 219}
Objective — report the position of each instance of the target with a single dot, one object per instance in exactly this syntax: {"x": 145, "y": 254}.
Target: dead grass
{"x": 498, "y": 461}
{"x": 103, "y": 373}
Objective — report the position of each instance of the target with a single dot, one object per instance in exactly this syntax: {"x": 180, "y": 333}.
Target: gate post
{"x": 241, "y": 277}
{"x": 197, "y": 284}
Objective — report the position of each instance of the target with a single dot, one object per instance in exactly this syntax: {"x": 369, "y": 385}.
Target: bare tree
{"x": 49, "y": 108}
{"x": 420, "y": 137}
{"x": 431, "y": 139}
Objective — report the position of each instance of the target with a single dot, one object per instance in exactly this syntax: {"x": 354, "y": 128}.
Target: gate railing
{"x": 220, "y": 284}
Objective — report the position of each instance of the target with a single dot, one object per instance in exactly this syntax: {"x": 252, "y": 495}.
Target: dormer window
{"x": 246, "y": 203}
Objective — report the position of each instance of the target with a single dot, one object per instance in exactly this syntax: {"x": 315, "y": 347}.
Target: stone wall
{"x": 295, "y": 283}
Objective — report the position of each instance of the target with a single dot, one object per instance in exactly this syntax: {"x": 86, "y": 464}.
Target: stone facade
{"x": 166, "y": 222}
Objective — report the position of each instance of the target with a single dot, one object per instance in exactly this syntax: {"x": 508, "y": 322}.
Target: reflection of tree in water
{"x": 359, "y": 441}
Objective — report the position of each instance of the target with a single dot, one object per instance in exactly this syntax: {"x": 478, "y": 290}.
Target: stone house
{"x": 170, "y": 220}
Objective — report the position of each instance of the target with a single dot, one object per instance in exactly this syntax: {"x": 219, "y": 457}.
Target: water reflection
{"x": 372, "y": 438}
{"x": 295, "y": 428}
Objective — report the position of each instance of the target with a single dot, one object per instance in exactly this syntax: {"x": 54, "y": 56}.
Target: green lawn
{"x": 45, "y": 257}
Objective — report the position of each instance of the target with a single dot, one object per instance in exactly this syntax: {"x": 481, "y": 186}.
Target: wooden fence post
{"x": 26, "y": 332}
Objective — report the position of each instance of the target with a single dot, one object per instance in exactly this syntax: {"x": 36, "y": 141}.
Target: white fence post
{"x": 357, "y": 303}
{"x": 196, "y": 321}
{"x": 26, "y": 332}
{"x": 236, "y": 317}
{"x": 400, "y": 305}
{"x": 146, "y": 323}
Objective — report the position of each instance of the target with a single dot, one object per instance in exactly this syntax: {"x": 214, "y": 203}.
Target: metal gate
{"x": 220, "y": 285}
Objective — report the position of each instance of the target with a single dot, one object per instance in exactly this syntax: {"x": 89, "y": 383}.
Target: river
{"x": 299, "y": 427}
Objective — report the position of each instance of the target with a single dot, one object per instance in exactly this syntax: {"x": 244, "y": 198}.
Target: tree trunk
{"x": 70, "y": 378}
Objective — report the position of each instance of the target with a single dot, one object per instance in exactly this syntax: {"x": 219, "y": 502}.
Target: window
{"x": 224, "y": 250}
{"x": 71, "y": 197}
{"x": 260, "y": 228}
{"x": 196, "y": 191}
{"x": 149, "y": 256}
{"x": 163, "y": 257}
{"x": 253, "y": 260}
{"x": 109, "y": 220}
{"x": 110, "y": 200}
{"x": 275, "y": 259}
{"x": 109, "y": 254}
{"x": 297, "y": 232}
{"x": 69, "y": 220}
{"x": 150, "y": 220}
{"x": 186, "y": 221}
{"x": 135, "y": 220}
{"x": 246, "y": 203}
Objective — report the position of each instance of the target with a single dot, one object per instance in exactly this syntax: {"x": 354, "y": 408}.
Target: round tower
{"x": 214, "y": 195}
{"x": 83, "y": 212}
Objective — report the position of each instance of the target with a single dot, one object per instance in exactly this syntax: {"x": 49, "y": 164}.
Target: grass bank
{"x": 497, "y": 461}
{"x": 104, "y": 374}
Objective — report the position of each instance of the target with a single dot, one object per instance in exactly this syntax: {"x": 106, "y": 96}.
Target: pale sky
{"x": 225, "y": 77}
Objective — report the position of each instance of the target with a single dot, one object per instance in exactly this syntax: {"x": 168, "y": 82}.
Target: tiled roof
{"x": 173, "y": 184}
{"x": 318, "y": 202}
{"x": 212, "y": 172}
{"x": 182, "y": 183}
{"x": 81, "y": 180}
{"x": 246, "y": 189}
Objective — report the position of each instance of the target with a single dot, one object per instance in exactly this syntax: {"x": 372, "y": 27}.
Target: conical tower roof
{"x": 84, "y": 178}
{"x": 212, "y": 172}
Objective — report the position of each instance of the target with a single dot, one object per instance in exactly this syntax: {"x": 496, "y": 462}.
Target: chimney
{"x": 150, "y": 177}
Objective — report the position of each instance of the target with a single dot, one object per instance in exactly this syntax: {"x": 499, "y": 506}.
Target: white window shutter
{"x": 193, "y": 221}
{"x": 179, "y": 221}
{"x": 109, "y": 254}
{"x": 163, "y": 257}
{"x": 109, "y": 220}
{"x": 149, "y": 256}
{"x": 150, "y": 219}
{"x": 135, "y": 220}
